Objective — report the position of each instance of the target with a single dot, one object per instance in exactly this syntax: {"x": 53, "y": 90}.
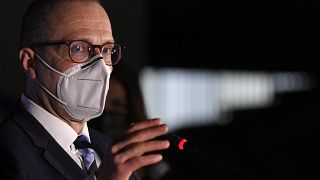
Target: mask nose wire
{"x": 94, "y": 59}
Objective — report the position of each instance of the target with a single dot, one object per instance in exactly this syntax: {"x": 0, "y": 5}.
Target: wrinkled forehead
{"x": 79, "y": 14}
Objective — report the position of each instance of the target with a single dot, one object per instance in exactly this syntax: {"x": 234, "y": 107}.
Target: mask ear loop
{"x": 52, "y": 95}
{"x": 43, "y": 87}
{"x": 50, "y": 67}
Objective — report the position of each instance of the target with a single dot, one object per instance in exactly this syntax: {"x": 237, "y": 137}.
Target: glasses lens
{"x": 79, "y": 51}
{"x": 111, "y": 53}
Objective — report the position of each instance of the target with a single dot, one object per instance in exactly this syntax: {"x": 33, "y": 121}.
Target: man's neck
{"x": 76, "y": 126}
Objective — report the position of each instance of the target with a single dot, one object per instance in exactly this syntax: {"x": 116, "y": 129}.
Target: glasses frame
{"x": 69, "y": 43}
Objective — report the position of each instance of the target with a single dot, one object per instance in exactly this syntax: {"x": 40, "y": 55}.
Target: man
{"x": 67, "y": 53}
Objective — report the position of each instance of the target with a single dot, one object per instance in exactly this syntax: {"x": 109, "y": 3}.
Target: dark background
{"x": 266, "y": 35}
{"x": 279, "y": 142}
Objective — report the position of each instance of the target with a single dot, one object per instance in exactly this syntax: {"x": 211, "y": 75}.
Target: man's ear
{"x": 26, "y": 56}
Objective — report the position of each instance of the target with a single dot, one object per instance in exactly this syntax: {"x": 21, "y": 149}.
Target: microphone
{"x": 181, "y": 144}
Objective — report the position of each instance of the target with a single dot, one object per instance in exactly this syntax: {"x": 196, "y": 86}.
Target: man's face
{"x": 71, "y": 21}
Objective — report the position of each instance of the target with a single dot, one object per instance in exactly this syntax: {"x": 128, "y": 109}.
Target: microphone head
{"x": 179, "y": 143}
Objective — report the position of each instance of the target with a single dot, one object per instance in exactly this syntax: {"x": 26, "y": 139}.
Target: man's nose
{"x": 96, "y": 51}
{"x": 107, "y": 60}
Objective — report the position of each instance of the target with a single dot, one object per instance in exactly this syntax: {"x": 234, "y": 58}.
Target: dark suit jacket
{"x": 28, "y": 151}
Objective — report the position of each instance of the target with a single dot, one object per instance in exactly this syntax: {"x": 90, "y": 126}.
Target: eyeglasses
{"x": 81, "y": 51}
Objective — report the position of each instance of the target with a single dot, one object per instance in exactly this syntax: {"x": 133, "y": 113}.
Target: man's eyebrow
{"x": 111, "y": 41}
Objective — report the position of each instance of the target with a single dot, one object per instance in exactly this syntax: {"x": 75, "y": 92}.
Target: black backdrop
{"x": 279, "y": 142}
{"x": 266, "y": 35}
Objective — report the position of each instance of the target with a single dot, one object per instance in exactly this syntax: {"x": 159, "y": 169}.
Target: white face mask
{"x": 83, "y": 88}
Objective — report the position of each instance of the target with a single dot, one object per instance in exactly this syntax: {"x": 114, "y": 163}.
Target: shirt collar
{"x": 58, "y": 129}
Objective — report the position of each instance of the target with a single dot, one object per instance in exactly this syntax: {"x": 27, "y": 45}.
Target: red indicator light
{"x": 181, "y": 143}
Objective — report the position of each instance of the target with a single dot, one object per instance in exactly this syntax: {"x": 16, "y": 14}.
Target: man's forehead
{"x": 79, "y": 17}
{"x": 75, "y": 11}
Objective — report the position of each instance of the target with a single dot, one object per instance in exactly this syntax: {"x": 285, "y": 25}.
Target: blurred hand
{"x": 133, "y": 151}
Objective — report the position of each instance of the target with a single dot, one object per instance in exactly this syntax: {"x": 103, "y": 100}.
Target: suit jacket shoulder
{"x": 32, "y": 153}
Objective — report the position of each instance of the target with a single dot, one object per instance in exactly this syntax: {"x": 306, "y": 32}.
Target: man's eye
{"x": 78, "y": 49}
{"x": 106, "y": 50}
